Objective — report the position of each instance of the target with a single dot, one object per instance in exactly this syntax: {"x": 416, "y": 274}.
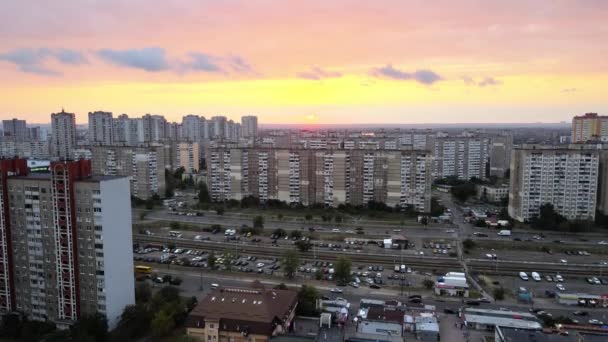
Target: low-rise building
{"x": 493, "y": 193}
{"x": 251, "y": 314}
{"x": 506, "y": 334}
{"x": 484, "y": 319}
{"x": 379, "y": 320}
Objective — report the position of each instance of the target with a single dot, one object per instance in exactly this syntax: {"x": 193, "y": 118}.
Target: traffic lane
{"x": 318, "y": 245}
{"x": 225, "y": 221}
{"x": 192, "y": 280}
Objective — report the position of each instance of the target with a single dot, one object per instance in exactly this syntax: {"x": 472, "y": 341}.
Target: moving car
{"x": 336, "y": 290}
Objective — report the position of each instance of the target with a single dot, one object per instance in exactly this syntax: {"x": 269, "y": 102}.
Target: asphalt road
{"x": 192, "y": 281}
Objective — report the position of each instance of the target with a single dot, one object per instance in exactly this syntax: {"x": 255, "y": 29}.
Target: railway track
{"x": 418, "y": 262}
{"x": 514, "y": 267}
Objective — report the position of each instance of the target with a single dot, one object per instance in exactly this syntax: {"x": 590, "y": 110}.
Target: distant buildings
{"x": 329, "y": 177}
{"x": 252, "y": 314}
{"x": 565, "y": 177}
{"x": 462, "y": 157}
{"x": 65, "y": 241}
{"x": 15, "y": 130}
{"x": 145, "y": 166}
{"x": 101, "y": 128}
{"x": 249, "y": 126}
{"x": 63, "y": 139}
{"x": 588, "y": 127}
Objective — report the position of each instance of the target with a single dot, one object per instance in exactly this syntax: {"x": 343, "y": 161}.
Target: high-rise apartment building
{"x": 15, "y": 130}
{"x": 60, "y": 233}
{"x": 187, "y": 156}
{"x": 193, "y": 127}
{"x": 218, "y": 127}
{"x": 565, "y": 177}
{"x": 330, "y": 177}
{"x": 26, "y": 149}
{"x": 249, "y": 126}
{"x": 154, "y": 127}
{"x": 588, "y": 127}
{"x": 34, "y": 134}
{"x": 499, "y": 154}
{"x": 461, "y": 157}
{"x": 144, "y": 165}
{"x": 101, "y": 128}
{"x": 63, "y": 139}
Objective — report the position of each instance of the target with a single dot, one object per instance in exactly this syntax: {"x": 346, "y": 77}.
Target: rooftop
{"x": 518, "y": 335}
{"x": 511, "y": 319}
{"x": 236, "y": 307}
{"x": 376, "y": 313}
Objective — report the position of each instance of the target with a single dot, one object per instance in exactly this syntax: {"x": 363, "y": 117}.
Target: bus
{"x": 175, "y": 234}
{"x": 143, "y": 269}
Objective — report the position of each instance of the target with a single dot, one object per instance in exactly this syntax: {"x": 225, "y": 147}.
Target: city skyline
{"x": 307, "y": 62}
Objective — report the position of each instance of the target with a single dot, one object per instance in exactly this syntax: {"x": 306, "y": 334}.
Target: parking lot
{"x": 374, "y": 276}
{"x": 569, "y": 256}
{"x": 547, "y": 289}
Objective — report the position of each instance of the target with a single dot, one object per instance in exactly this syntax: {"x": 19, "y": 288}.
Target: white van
{"x": 504, "y": 233}
{"x": 214, "y": 286}
{"x": 523, "y": 276}
{"x": 535, "y": 276}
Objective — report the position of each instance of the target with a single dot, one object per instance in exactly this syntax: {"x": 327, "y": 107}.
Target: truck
{"x": 504, "y": 232}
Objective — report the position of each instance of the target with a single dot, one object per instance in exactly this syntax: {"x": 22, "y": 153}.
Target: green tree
{"x": 228, "y": 259}
{"x": 281, "y": 286}
{"x": 468, "y": 244}
{"x": 307, "y": 301}
{"x": 338, "y": 218}
{"x": 462, "y": 192}
{"x": 211, "y": 260}
{"x": 134, "y": 323}
{"x": 219, "y": 210}
{"x": 90, "y": 328}
{"x": 203, "y": 193}
{"x": 258, "y": 222}
{"x": 428, "y": 284}
{"x": 436, "y": 208}
{"x": 303, "y": 246}
{"x": 295, "y": 234}
{"x": 279, "y": 232}
{"x": 290, "y": 263}
{"x": 342, "y": 269}
{"x": 175, "y": 225}
{"x": 499, "y": 293}
{"x": 319, "y": 274}
{"x": 308, "y": 217}
{"x": 162, "y": 323}
{"x": 142, "y": 215}
{"x": 143, "y": 293}
{"x": 548, "y": 218}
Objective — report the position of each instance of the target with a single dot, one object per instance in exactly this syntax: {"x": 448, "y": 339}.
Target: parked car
{"x": 560, "y": 287}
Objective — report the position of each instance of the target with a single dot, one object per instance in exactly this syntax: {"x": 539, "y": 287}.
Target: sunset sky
{"x": 330, "y": 61}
